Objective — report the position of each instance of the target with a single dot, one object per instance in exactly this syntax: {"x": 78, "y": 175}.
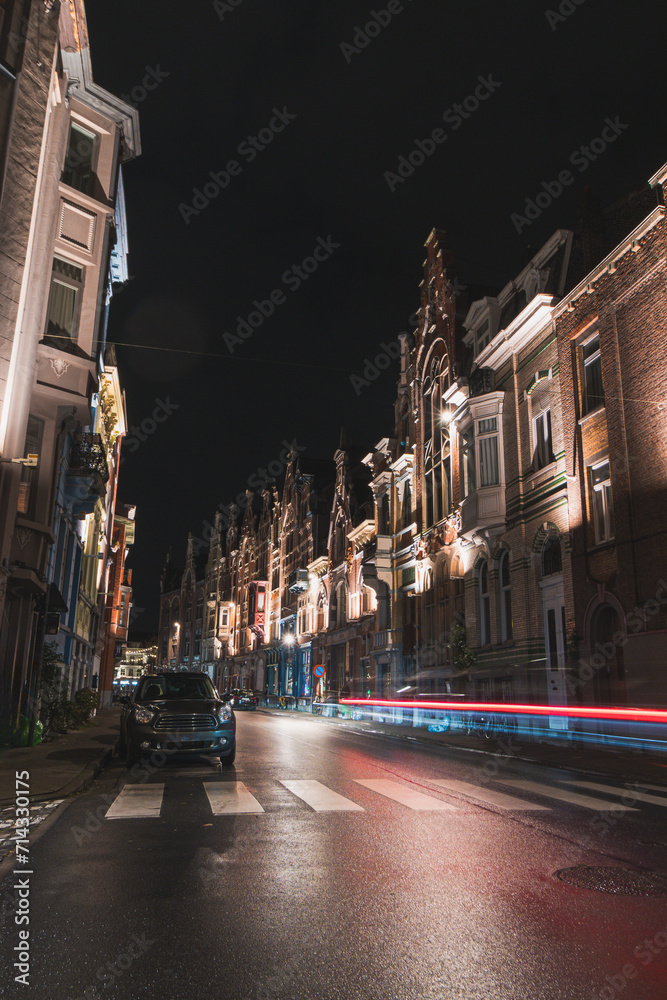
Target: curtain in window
{"x": 62, "y": 308}
{"x": 488, "y": 461}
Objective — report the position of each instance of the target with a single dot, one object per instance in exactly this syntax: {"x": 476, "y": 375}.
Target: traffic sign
{"x": 319, "y": 670}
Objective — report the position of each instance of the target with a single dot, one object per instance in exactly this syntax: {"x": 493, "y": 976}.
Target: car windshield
{"x": 186, "y": 688}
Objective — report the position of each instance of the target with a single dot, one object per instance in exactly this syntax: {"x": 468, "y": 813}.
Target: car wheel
{"x": 229, "y": 759}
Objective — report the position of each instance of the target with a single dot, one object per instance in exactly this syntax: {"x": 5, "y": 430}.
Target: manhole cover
{"x": 623, "y": 881}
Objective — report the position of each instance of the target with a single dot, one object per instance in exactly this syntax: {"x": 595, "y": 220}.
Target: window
{"x": 406, "y": 510}
{"x": 200, "y": 607}
{"x": 467, "y": 462}
{"x": 383, "y": 515}
{"x": 552, "y": 556}
{"x": 28, "y": 484}
{"x": 78, "y": 169}
{"x": 505, "y": 597}
{"x": 603, "y": 517}
{"x": 186, "y": 645}
{"x": 484, "y": 609}
{"x": 66, "y": 287}
{"x": 593, "y": 394}
{"x": 483, "y": 336}
{"x": 224, "y": 617}
{"x": 429, "y": 607}
{"x": 487, "y": 434}
{"x": 542, "y": 439}
{"x": 341, "y": 617}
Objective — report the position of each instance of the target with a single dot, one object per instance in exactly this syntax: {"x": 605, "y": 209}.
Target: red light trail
{"x": 574, "y": 712}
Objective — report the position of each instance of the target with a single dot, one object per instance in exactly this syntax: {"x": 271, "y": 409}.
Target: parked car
{"x": 178, "y": 712}
{"x": 242, "y": 699}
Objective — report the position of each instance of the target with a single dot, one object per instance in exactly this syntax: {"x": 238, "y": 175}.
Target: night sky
{"x": 314, "y": 117}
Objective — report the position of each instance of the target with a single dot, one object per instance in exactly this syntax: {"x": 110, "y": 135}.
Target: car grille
{"x": 186, "y": 723}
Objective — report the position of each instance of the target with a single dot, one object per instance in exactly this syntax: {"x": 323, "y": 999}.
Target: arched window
{"x": 368, "y": 601}
{"x": 458, "y": 591}
{"x": 341, "y": 610}
{"x": 429, "y": 606}
{"x": 606, "y": 659}
{"x": 484, "y": 608}
{"x": 505, "y": 602}
{"x": 319, "y": 620}
{"x": 437, "y": 471}
{"x": 552, "y": 556}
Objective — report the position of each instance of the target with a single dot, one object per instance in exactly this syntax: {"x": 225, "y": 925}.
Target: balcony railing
{"x": 88, "y": 457}
{"x": 387, "y": 638}
{"x": 481, "y": 382}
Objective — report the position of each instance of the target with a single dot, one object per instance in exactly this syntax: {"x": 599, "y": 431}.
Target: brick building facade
{"x": 507, "y": 542}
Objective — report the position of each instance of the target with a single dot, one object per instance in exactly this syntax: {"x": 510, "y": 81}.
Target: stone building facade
{"x": 62, "y": 249}
{"x": 507, "y": 542}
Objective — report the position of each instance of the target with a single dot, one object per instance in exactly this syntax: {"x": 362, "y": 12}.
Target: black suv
{"x": 180, "y": 713}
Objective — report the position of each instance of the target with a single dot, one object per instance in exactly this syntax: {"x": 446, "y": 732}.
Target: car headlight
{"x": 225, "y": 713}
{"x": 143, "y": 714}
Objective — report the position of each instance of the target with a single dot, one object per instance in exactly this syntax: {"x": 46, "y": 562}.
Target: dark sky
{"x": 219, "y": 73}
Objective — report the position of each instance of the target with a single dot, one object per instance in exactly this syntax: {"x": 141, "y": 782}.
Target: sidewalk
{"x": 616, "y": 763}
{"x": 62, "y": 767}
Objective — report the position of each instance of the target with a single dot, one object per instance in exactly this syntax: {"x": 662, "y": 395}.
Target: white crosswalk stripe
{"x": 630, "y": 794}
{"x": 563, "y": 795}
{"x": 409, "y": 797}
{"x": 231, "y": 798}
{"x": 137, "y": 802}
{"x": 488, "y": 796}
{"x": 320, "y": 798}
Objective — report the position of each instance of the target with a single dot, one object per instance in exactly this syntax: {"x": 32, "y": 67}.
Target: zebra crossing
{"x": 234, "y": 798}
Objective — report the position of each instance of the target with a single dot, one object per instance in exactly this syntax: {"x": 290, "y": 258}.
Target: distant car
{"x": 179, "y": 712}
{"x": 242, "y": 699}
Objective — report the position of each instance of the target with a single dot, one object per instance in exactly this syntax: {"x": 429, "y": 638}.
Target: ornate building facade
{"x": 62, "y": 249}
{"x": 491, "y": 549}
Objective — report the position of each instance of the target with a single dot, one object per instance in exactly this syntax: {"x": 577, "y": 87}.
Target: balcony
{"x": 88, "y": 472}
{"x": 481, "y": 382}
{"x": 387, "y": 639}
{"x": 298, "y": 581}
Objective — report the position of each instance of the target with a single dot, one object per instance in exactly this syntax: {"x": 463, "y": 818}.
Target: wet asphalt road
{"x": 450, "y": 897}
